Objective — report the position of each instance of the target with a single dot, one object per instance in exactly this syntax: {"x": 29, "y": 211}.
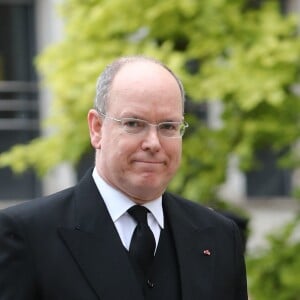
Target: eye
{"x": 133, "y": 123}
{"x": 169, "y": 126}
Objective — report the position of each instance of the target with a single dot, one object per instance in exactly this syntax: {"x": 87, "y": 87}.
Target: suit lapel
{"x": 195, "y": 251}
{"x": 96, "y": 247}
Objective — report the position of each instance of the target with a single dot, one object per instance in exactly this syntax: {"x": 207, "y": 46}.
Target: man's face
{"x": 140, "y": 165}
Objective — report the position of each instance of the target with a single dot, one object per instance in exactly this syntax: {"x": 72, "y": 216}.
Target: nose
{"x": 151, "y": 141}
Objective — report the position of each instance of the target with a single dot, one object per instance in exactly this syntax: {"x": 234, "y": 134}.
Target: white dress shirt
{"x": 117, "y": 204}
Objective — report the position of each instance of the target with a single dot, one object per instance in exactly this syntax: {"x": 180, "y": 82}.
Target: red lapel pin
{"x": 206, "y": 252}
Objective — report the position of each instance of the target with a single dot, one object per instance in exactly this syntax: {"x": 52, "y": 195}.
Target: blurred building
{"x": 26, "y": 28}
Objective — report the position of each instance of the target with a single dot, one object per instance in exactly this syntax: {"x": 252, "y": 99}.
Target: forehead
{"x": 147, "y": 83}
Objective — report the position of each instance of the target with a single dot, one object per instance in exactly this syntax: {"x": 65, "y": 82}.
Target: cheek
{"x": 174, "y": 152}
{"x": 175, "y": 148}
{"x": 177, "y": 160}
{"x": 118, "y": 148}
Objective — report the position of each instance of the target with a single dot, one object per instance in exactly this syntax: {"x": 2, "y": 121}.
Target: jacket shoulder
{"x": 197, "y": 211}
{"x": 38, "y": 208}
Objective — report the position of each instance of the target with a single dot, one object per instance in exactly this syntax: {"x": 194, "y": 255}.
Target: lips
{"x": 150, "y": 162}
{"x": 154, "y": 162}
{"x": 149, "y": 165}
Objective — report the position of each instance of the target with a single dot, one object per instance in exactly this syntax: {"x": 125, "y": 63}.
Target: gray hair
{"x": 105, "y": 80}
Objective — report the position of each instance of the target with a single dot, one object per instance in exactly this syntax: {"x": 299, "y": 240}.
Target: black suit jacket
{"x": 65, "y": 246}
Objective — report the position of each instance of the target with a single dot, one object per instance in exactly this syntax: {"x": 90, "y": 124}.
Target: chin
{"x": 148, "y": 185}
{"x": 148, "y": 181}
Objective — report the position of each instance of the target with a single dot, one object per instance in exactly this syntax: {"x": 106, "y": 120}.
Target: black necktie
{"x": 142, "y": 244}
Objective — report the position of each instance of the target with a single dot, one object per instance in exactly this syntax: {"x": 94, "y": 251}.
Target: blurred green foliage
{"x": 275, "y": 272}
{"x": 234, "y": 52}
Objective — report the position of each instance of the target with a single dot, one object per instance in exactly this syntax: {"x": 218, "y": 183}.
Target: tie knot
{"x": 139, "y": 213}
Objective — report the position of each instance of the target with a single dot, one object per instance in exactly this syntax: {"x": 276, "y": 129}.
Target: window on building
{"x": 18, "y": 92}
{"x": 268, "y": 180}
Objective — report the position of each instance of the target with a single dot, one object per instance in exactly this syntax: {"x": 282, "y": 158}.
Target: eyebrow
{"x": 158, "y": 122}
{"x": 137, "y": 116}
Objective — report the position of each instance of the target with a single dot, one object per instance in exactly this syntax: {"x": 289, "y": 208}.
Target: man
{"x": 87, "y": 242}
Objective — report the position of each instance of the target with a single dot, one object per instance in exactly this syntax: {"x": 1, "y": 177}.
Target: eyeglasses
{"x": 138, "y": 126}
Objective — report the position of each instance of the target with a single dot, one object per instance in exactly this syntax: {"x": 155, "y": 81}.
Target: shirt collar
{"x": 121, "y": 203}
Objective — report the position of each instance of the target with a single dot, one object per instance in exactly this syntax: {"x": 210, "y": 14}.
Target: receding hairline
{"x": 125, "y": 60}
{"x": 106, "y": 79}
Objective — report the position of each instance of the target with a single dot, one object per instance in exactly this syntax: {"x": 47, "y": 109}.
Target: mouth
{"x": 149, "y": 162}
{"x": 149, "y": 165}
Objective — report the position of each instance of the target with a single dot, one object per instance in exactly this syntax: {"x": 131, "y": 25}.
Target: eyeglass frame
{"x": 182, "y": 124}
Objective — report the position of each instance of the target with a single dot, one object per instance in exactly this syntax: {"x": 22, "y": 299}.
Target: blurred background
{"x": 240, "y": 63}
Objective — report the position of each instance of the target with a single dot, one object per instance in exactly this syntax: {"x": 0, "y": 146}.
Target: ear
{"x": 95, "y": 125}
